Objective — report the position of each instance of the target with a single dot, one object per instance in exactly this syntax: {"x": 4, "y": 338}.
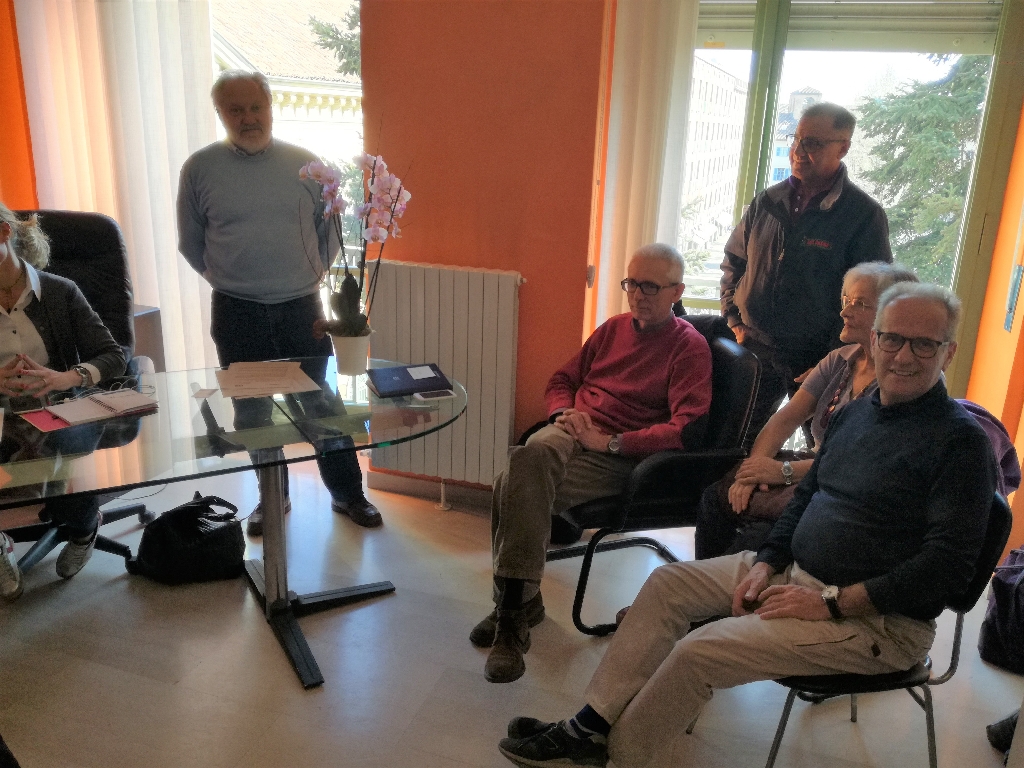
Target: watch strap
{"x": 832, "y": 603}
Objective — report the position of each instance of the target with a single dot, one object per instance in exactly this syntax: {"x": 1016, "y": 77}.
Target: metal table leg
{"x": 269, "y": 580}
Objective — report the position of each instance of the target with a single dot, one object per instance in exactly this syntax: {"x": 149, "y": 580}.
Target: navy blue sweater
{"x": 898, "y": 498}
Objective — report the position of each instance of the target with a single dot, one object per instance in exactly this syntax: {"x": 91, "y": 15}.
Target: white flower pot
{"x": 351, "y": 353}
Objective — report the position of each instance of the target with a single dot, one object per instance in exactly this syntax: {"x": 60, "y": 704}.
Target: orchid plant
{"x": 384, "y": 202}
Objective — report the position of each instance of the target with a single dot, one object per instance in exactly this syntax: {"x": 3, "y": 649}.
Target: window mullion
{"x": 771, "y": 23}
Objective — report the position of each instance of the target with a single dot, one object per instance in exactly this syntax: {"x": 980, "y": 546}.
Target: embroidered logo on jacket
{"x": 816, "y": 242}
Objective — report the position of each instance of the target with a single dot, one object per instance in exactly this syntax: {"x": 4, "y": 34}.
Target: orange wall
{"x": 17, "y": 175}
{"x": 492, "y": 106}
{"x": 997, "y": 374}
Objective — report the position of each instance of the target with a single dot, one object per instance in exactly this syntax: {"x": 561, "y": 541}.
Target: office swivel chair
{"x": 88, "y": 249}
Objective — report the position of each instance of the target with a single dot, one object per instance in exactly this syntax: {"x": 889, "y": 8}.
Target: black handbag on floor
{"x": 1001, "y": 640}
{"x": 191, "y": 543}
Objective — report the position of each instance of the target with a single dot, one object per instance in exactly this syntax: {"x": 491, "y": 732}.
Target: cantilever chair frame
{"x": 664, "y": 489}
{"x": 818, "y": 688}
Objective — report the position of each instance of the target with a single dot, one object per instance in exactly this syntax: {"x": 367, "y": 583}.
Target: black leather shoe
{"x": 360, "y": 512}
{"x": 254, "y": 523}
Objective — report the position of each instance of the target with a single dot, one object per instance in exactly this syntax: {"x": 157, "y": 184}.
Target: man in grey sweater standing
{"x": 256, "y": 233}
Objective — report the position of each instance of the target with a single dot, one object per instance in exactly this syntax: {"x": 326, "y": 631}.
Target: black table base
{"x": 283, "y": 618}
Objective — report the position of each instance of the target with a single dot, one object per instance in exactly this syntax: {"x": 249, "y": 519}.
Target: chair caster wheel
{"x": 147, "y": 516}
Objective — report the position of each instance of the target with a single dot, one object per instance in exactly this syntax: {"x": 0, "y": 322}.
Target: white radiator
{"x": 466, "y": 321}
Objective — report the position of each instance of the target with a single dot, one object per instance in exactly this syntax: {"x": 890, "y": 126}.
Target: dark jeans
{"x": 23, "y": 441}
{"x": 248, "y": 331}
{"x": 778, "y": 369}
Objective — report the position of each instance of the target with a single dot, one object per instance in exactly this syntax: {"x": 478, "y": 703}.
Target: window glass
{"x": 715, "y": 131}
{"x": 914, "y": 145}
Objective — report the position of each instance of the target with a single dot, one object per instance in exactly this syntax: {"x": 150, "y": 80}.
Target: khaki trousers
{"x": 545, "y": 477}
{"x": 657, "y": 675}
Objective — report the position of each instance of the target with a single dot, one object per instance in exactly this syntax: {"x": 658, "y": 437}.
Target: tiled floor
{"x": 110, "y": 670}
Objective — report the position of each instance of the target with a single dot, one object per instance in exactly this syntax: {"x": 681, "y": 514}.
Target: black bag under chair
{"x": 1001, "y": 640}
{"x": 192, "y": 542}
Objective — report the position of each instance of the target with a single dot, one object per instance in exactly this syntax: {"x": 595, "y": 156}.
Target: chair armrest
{"x": 678, "y": 473}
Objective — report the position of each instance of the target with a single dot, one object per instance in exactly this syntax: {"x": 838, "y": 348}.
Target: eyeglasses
{"x": 921, "y": 346}
{"x": 810, "y": 144}
{"x": 858, "y": 304}
{"x": 646, "y": 287}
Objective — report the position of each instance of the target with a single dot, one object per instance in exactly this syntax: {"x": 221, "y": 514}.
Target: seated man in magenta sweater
{"x": 641, "y": 384}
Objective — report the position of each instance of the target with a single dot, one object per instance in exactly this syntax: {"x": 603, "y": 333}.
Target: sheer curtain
{"x": 652, "y": 67}
{"x": 118, "y": 98}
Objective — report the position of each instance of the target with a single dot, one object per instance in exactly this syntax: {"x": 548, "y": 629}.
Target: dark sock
{"x": 511, "y": 591}
{"x": 587, "y": 724}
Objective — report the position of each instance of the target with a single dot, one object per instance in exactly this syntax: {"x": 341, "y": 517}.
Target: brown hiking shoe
{"x": 482, "y": 635}
{"x": 511, "y": 640}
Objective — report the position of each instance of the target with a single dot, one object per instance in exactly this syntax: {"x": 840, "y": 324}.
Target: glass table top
{"x": 197, "y": 432}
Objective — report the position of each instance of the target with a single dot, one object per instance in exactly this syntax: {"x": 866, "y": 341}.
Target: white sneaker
{"x": 10, "y": 574}
{"x": 74, "y": 556}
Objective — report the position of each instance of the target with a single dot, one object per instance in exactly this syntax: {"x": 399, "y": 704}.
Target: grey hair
{"x": 842, "y": 118}
{"x": 881, "y": 274}
{"x": 663, "y": 252}
{"x": 936, "y": 293}
{"x": 230, "y": 75}
{"x": 28, "y": 241}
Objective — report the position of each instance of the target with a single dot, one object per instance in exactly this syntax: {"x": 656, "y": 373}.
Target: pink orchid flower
{"x": 336, "y": 206}
{"x": 364, "y": 161}
{"x": 375, "y": 235}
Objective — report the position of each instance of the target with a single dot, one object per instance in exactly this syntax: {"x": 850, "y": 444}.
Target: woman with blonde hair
{"x": 50, "y": 340}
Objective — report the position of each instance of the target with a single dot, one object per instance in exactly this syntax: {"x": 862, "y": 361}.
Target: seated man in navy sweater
{"x": 882, "y": 531}
{"x": 641, "y": 384}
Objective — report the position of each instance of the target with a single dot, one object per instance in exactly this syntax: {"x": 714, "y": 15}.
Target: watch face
{"x": 830, "y": 593}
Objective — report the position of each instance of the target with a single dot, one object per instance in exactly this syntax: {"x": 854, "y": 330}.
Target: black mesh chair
{"x": 818, "y": 688}
{"x": 664, "y": 489}
{"x": 88, "y": 249}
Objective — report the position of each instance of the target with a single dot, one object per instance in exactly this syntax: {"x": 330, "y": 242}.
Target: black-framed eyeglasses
{"x": 647, "y": 288}
{"x": 858, "y": 304}
{"x": 810, "y": 144}
{"x": 921, "y": 346}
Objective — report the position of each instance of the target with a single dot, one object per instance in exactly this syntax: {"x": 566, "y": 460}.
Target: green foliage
{"x": 926, "y": 137}
{"x": 343, "y": 43}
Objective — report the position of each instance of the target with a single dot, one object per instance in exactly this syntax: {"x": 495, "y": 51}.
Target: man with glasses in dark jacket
{"x": 784, "y": 263}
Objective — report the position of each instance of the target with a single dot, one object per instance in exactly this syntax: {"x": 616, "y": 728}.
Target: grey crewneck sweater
{"x": 252, "y": 222}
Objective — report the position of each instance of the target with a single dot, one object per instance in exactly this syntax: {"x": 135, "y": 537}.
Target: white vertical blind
{"x": 651, "y": 73}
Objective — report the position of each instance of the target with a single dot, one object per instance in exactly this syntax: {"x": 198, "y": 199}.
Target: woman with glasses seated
{"x": 738, "y": 511}
{"x": 50, "y": 340}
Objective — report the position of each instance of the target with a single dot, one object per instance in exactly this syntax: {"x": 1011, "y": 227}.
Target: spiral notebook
{"x": 97, "y": 407}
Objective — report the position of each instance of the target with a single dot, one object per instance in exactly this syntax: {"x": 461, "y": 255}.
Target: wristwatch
{"x": 614, "y": 443}
{"x": 787, "y": 472}
{"x": 831, "y": 597}
{"x": 82, "y": 371}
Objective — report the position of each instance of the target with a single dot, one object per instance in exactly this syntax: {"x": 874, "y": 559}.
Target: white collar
{"x": 33, "y": 280}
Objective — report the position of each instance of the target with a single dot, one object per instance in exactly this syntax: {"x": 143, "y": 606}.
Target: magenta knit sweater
{"x": 646, "y": 385}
